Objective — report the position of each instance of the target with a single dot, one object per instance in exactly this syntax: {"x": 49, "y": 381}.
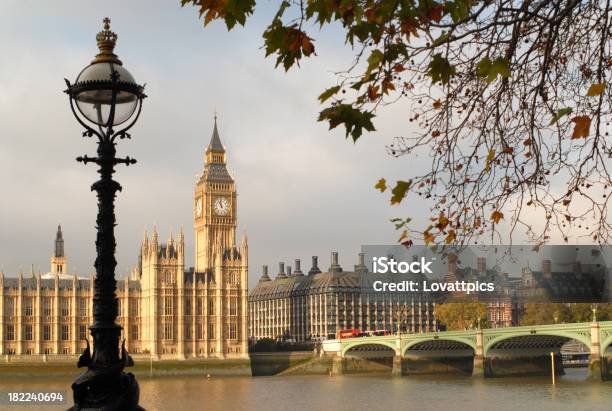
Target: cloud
{"x": 302, "y": 190}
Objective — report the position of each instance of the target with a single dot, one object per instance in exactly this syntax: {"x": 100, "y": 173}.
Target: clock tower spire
{"x": 215, "y": 205}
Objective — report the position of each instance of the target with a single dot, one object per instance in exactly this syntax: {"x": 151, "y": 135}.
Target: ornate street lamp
{"x": 105, "y": 96}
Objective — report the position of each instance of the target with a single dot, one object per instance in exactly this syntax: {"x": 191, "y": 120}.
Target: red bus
{"x": 352, "y": 333}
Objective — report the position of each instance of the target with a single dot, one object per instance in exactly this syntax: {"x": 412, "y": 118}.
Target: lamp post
{"x": 105, "y": 96}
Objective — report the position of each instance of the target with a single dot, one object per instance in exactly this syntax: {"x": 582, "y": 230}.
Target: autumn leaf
{"x": 387, "y": 85}
{"x": 231, "y": 12}
{"x": 496, "y": 216}
{"x": 307, "y": 46}
{"x": 581, "y": 128}
{"x": 442, "y": 222}
{"x": 450, "y": 237}
{"x": 490, "y": 157}
{"x": 399, "y": 191}
{"x": 491, "y": 69}
{"x": 508, "y": 150}
{"x": 437, "y": 104}
{"x": 435, "y": 133}
{"x": 563, "y": 112}
{"x": 328, "y": 93}
{"x": 372, "y": 92}
{"x": 398, "y": 68}
{"x": 440, "y": 69}
{"x": 381, "y": 185}
{"x": 428, "y": 237}
{"x": 596, "y": 89}
{"x": 354, "y": 120}
{"x": 406, "y": 242}
{"x": 374, "y": 60}
{"x": 435, "y": 13}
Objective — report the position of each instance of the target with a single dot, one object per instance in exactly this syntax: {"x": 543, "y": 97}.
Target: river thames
{"x": 358, "y": 392}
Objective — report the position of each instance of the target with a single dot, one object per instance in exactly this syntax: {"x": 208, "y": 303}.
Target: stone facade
{"x": 299, "y": 307}
{"x": 165, "y": 310}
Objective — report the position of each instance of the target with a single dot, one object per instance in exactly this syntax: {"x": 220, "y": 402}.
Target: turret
{"x": 281, "y": 271}
{"x": 169, "y": 247}
{"x": 180, "y": 246}
{"x": 59, "y": 242}
{"x": 335, "y": 267}
{"x": 154, "y": 245}
{"x": 244, "y": 248}
{"x": 298, "y": 271}
{"x": 264, "y": 276}
{"x": 315, "y": 268}
{"x": 58, "y": 260}
{"x": 145, "y": 242}
{"x": 360, "y": 267}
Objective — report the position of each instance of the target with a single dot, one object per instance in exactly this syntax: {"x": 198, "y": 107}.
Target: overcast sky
{"x": 302, "y": 190}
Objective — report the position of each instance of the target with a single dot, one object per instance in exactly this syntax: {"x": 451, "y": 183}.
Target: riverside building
{"x": 166, "y": 310}
{"x": 298, "y": 307}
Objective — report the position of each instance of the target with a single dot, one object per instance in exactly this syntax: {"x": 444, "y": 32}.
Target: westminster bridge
{"x": 481, "y": 352}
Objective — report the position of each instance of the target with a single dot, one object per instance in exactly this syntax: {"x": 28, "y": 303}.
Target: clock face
{"x": 221, "y": 206}
{"x": 199, "y": 207}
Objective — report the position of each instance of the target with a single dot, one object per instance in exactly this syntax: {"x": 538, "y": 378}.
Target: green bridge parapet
{"x": 597, "y": 336}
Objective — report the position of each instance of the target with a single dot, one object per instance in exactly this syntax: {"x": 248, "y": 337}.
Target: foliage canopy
{"x": 510, "y": 100}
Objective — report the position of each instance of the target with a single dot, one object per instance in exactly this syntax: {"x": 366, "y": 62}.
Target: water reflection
{"x": 357, "y": 392}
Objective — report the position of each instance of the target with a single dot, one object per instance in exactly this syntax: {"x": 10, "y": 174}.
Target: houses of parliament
{"x": 166, "y": 310}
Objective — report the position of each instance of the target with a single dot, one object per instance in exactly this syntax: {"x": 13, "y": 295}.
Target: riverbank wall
{"x": 55, "y": 366}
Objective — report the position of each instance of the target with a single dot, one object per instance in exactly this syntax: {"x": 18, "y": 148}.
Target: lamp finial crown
{"x": 106, "y": 40}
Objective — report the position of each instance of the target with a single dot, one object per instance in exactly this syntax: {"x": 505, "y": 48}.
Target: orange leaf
{"x": 450, "y": 237}
{"x": 435, "y": 13}
{"x": 387, "y": 85}
{"x": 581, "y": 129}
{"x": 442, "y": 222}
{"x": 428, "y": 237}
{"x": 496, "y": 216}
{"x": 508, "y": 150}
{"x": 372, "y": 92}
{"x": 437, "y": 104}
{"x": 596, "y": 89}
{"x": 307, "y": 45}
{"x": 435, "y": 133}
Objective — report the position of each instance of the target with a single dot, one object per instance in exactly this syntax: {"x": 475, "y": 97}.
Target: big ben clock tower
{"x": 221, "y": 267}
{"x": 214, "y": 207}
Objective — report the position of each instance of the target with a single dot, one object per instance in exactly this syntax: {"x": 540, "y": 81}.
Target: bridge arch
{"x": 385, "y": 345}
{"x": 551, "y": 336}
{"x": 460, "y": 343}
{"x": 606, "y": 343}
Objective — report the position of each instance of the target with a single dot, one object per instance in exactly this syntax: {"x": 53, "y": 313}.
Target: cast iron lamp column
{"x": 106, "y": 95}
